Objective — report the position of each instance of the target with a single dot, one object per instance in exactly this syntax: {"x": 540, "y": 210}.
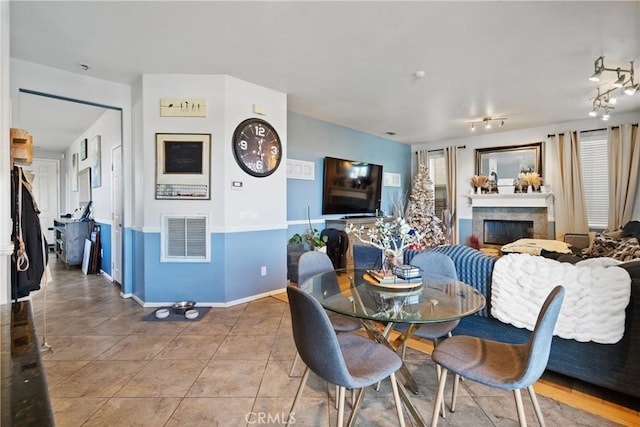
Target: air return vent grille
{"x": 185, "y": 238}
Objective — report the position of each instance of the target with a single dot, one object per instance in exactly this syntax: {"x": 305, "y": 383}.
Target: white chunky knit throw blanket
{"x": 597, "y": 293}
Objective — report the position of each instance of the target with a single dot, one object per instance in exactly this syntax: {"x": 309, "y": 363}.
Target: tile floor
{"x": 230, "y": 368}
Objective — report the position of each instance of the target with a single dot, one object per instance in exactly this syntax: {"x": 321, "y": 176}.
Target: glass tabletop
{"x": 358, "y": 294}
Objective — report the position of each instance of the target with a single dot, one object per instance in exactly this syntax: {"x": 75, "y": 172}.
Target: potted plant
{"x": 298, "y": 244}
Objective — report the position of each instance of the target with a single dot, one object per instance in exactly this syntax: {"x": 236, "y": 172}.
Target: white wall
{"x": 109, "y": 129}
{"x": 482, "y": 139}
{"x": 261, "y": 204}
{"x": 27, "y": 75}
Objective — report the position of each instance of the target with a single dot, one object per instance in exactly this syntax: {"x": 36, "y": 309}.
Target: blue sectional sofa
{"x": 613, "y": 366}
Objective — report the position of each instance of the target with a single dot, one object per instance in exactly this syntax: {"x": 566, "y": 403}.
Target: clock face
{"x": 257, "y": 147}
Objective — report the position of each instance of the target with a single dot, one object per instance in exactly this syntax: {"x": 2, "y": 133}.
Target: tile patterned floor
{"x": 230, "y": 368}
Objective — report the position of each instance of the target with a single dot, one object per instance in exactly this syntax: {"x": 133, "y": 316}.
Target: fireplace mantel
{"x": 517, "y": 200}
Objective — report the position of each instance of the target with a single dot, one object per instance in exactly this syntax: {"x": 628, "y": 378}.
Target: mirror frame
{"x": 534, "y": 150}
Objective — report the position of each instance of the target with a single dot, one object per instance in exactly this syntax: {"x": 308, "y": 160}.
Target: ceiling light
{"x": 487, "y": 122}
{"x": 598, "y": 67}
{"x": 631, "y": 89}
{"x": 620, "y": 81}
{"x": 604, "y": 100}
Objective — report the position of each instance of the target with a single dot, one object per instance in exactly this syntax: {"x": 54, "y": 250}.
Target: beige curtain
{"x": 451, "y": 159}
{"x": 570, "y": 207}
{"x": 624, "y": 163}
{"x": 422, "y": 158}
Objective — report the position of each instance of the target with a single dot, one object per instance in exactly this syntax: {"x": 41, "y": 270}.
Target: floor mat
{"x": 173, "y": 317}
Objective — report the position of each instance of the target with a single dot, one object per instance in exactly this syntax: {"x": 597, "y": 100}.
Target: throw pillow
{"x": 629, "y": 249}
{"x": 602, "y": 246}
{"x": 632, "y": 229}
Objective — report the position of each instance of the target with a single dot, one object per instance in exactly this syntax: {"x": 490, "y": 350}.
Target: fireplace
{"x": 499, "y": 219}
{"x": 534, "y": 217}
{"x": 501, "y": 232}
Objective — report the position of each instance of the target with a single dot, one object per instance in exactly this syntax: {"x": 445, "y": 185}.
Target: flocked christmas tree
{"x": 420, "y": 214}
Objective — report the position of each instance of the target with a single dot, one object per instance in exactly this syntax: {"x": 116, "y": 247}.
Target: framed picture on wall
{"x": 183, "y": 166}
{"x": 96, "y": 160}
{"x": 74, "y": 172}
{"x": 83, "y": 149}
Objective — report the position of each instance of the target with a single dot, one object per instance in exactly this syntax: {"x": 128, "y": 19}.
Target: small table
{"x": 356, "y": 293}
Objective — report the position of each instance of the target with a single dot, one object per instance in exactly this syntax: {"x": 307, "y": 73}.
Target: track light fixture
{"x": 603, "y": 102}
{"x": 487, "y": 122}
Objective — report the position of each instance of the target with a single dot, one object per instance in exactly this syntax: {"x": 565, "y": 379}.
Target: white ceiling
{"x": 354, "y": 63}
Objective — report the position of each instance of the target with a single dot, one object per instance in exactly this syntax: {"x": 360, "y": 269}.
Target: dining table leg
{"x": 375, "y": 334}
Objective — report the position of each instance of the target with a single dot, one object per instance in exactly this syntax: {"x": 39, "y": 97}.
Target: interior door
{"x": 45, "y": 183}
{"x": 117, "y": 203}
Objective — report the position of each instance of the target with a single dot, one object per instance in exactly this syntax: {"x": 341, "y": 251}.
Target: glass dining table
{"x": 381, "y": 304}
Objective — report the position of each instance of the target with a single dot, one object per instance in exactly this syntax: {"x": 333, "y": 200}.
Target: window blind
{"x": 595, "y": 181}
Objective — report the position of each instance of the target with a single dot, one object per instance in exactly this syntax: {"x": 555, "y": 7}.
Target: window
{"x": 595, "y": 181}
{"x": 438, "y": 174}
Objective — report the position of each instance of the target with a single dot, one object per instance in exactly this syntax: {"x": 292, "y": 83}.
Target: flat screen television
{"x": 351, "y": 187}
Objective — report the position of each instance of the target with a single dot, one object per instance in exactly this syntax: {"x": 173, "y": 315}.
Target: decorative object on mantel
{"x": 420, "y": 213}
{"x": 478, "y": 181}
{"x": 391, "y": 237}
{"x": 506, "y": 186}
{"x": 530, "y": 180}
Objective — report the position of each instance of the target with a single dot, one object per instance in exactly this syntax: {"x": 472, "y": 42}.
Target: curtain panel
{"x": 570, "y": 206}
{"x": 623, "y": 144}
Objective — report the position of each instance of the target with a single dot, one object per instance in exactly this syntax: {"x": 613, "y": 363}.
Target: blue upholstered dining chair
{"x": 501, "y": 365}
{"x": 434, "y": 267}
{"x": 366, "y": 257}
{"x": 310, "y": 264}
{"x": 349, "y": 361}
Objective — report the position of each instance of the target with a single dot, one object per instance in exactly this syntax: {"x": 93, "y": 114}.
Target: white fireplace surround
{"x": 516, "y": 200}
{"x": 534, "y": 207}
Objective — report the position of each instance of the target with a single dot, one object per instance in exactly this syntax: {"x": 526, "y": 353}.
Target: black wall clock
{"x": 257, "y": 147}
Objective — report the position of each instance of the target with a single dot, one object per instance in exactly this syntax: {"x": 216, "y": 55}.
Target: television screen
{"x": 351, "y": 187}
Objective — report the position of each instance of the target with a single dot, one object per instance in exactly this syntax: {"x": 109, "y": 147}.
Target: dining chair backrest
{"x": 366, "y": 257}
{"x": 540, "y": 341}
{"x": 435, "y": 264}
{"x": 315, "y": 338}
{"x": 312, "y": 263}
{"x": 337, "y": 245}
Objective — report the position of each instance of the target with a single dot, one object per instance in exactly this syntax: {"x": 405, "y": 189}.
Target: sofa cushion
{"x": 627, "y": 250}
{"x": 631, "y": 229}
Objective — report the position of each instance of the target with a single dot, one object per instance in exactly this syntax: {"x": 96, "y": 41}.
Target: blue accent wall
{"x": 127, "y": 260}
{"x": 312, "y": 140}
{"x": 137, "y": 266}
{"x": 225, "y": 278}
{"x": 465, "y": 231}
{"x": 105, "y": 245}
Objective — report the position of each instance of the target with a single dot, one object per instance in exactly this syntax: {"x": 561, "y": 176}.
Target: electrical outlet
{"x": 263, "y": 270}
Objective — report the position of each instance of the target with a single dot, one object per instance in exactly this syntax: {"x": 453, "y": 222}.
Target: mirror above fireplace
{"x": 507, "y": 162}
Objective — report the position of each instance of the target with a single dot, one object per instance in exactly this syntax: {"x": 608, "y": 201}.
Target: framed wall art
{"x": 74, "y": 172}
{"x": 183, "y": 166}
{"x": 509, "y": 161}
{"x": 96, "y": 162}
{"x": 83, "y": 149}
